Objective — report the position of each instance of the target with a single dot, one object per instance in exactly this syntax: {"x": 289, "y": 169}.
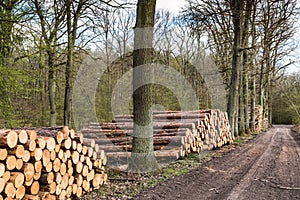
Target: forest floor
{"x": 263, "y": 167}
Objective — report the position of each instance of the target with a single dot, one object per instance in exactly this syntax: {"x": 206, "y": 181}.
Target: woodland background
{"x": 43, "y": 44}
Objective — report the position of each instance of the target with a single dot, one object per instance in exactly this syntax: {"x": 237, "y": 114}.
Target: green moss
{"x": 238, "y": 141}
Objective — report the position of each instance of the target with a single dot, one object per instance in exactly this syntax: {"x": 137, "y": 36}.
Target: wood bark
{"x": 143, "y": 158}
{"x": 236, "y": 7}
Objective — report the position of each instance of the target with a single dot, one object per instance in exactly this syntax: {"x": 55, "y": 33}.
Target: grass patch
{"x": 245, "y": 138}
{"x": 237, "y": 141}
{"x": 124, "y": 185}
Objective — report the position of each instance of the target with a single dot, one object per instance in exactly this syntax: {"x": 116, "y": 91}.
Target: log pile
{"x": 48, "y": 163}
{"x": 175, "y": 134}
{"x": 260, "y": 122}
{"x": 259, "y": 118}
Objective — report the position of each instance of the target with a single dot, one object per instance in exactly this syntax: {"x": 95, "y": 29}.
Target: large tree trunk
{"x": 236, "y": 7}
{"x": 252, "y": 67}
{"x": 246, "y": 62}
{"x": 142, "y": 157}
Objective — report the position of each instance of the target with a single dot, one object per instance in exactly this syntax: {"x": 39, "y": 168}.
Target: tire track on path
{"x": 264, "y": 168}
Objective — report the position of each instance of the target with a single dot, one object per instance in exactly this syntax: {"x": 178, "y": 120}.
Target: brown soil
{"x": 265, "y": 168}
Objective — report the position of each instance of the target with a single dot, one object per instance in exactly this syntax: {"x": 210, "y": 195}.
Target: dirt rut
{"x": 268, "y": 167}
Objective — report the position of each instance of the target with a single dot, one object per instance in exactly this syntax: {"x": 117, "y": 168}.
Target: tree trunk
{"x": 51, "y": 88}
{"x": 270, "y": 100}
{"x": 69, "y": 64}
{"x": 246, "y": 101}
{"x": 246, "y": 62}
{"x": 270, "y": 106}
{"x": 43, "y": 90}
{"x": 142, "y": 157}
{"x": 252, "y": 67}
{"x": 241, "y": 105}
{"x": 50, "y": 37}
{"x": 267, "y": 79}
{"x": 73, "y": 16}
{"x": 236, "y": 7}
{"x": 253, "y": 102}
{"x": 6, "y": 31}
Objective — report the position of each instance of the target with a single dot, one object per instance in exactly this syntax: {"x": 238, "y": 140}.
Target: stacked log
{"x": 260, "y": 122}
{"x": 175, "y": 134}
{"x": 48, "y": 163}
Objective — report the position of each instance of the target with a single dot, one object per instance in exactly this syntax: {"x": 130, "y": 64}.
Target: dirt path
{"x": 268, "y": 167}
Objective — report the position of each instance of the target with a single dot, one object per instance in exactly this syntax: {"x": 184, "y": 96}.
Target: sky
{"x": 171, "y": 5}
{"x": 176, "y": 5}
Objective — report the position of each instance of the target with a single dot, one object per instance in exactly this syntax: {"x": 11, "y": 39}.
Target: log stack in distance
{"x": 48, "y": 163}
